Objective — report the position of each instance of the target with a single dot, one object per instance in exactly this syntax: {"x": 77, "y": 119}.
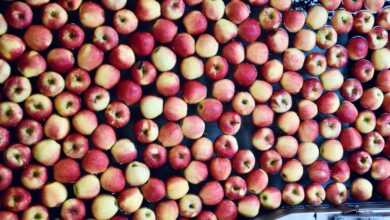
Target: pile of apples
{"x": 100, "y": 98}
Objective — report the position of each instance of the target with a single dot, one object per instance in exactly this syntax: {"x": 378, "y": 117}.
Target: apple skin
{"x": 270, "y": 18}
{"x": 34, "y": 176}
{"x": 172, "y": 10}
{"x": 8, "y": 215}
{"x": 226, "y": 209}
{"x": 257, "y": 53}
{"x": 66, "y": 171}
{"x": 271, "y": 162}
{"x": 210, "y": 109}
{"x": 379, "y": 168}
{"x": 211, "y": 193}
{"x": 347, "y": 112}
{"x": 35, "y": 210}
{"x": 179, "y": 157}
{"x": 229, "y": 123}
{"x": 4, "y": 138}
{"x": 155, "y": 155}
{"x": 383, "y": 188}
{"x": 237, "y": 11}
{"x": 271, "y": 198}
{"x": 12, "y": 47}
{"x": 220, "y": 168}
{"x": 249, "y": 30}
{"x": 73, "y": 209}
{"x": 6, "y": 177}
{"x": 293, "y": 20}
{"x": 336, "y": 193}
{"x": 319, "y": 171}
{"x": 351, "y": 139}
{"x": 331, "y": 4}
{"x": 233, "y": 52}
{"x": 95, "y": 161}
{"x": 243, "y": 161}
{"x": 293, "y": 194}
{"x": 75, "y": 146}
{"x": 196, "y": 172}
{"x": 18, "y": 15}
{"x": 164, "y": 30}
{"x": 245, "y": 74}
{"x": 226, "y": 146}
{"x": 154, "y": 190}
{"x": 223, "y": 90}
{"x": 235, "y": 188}
{"x": 308, "y": 130}
{"x": 361, "y": 189}
{"x": 41, "y": 43}
{"x": 360, "y": 162}
{"x": 202, "y": 149}
{"x": 195, "y": 23}
{"x": 17, "y": 156}
{"x": 122, "y": 57}
{"x": 315, "y": 194}
{"x": 341, "y": 171}
{"x": 9, "y": 196}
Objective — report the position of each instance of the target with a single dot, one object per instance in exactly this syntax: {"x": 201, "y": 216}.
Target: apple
{"x": 336, "y": 193}
{"x": 361, "y": 189}
{"x": 372, "y": 98}
{"x": 8, "y": 215}
{"x": 6, "y": 177}
{"x": 257, "y": 53}
{"x": 379, "y": 58}
{"x": 124, "y": 151}
{"x": 104, "y": 206}
{"x": 179, "y": 157}
{"x": 237, "y": 11}
{"x": 263, "y": 139}
{"x": 249, "y": 206}
{"x": 170, "y": 134}
{"x": 340, "y": 171}
{"x": 294, "y": 20}
{"x": 10, "y": 114}
{"x": 382, "y": 80}
{"x": 223, "y": 90}
{"x": 35, "y": 210}
{"x": 151, "y": 106}
{"x": 144, "y": 213}
{"x": 191, "y": 67}
{"x": 34, "y": 176}
{"x": 293, "y": 194}
{"x": 351, "y": 139}
{"x": 360, "y": 162}
{"x": 56, "y": 127}
{"x": 312, "y": 89}
{"x": 202, "y": 149}
{"x": 374, "y": 5}
{"x": 249, "y": 30}
{"x": 233, "y": 52}
{"x": 332, "y": 150}
{"x": 5, "y": 70}
{"x": 206, "y": 46}
{"x": 41, "y": 43}
{"x": 18, "y": 15}
{"x": 347, "y": 112}
{"x": 307, "y": 109}
{"x": 153, "y": 190}
{"x": 326, "y": 37}
{"x": 331, "y": 4}
{"x": 293, "y": 59}
{"x": 288, "y": 122}
{"x": 130, "y": 200}
{"x": 122, "y": 57}
{"x": 172, "y": 9}
{"x": 47, "y": 152}
{"x": 379, "y": 168}
{"x": 195, "y": 23}
{"x": 271, "y": 161}
{"x": 143, "y": 73}
{"x": 291, "y": 82}
{"x": 190, "y": 206}
{"x": 226, "y": 209}
{"x": 168, "y": 83}
{"x": 337, "y": 56}
{"x": 125, "y": 21}
{"x": 177, "y": 187}
{"x": 70, "y": 5}
{"x": 305, "y": 40}
{"x": 286, "y": 146}
{"x": 11, "y": 47}
{"x": 72, "y": 209}
{"x": 105, "y": 38}
{"x": 95, "y": 161}
{"x": 17, "y": 156}
{"x": 53, "y": 194}
{"x": 154, "y": 155}
{"x": 54, "y": 16}
{"x": 87, "y": 187}
{"x": 383, "y": 18}
{"x": 317, "y": 17}
{"x": 17, "y": 88}
{"x": 193, "y": 127}
{"x": 164, "y": 30}
{"x": 128, "y": 92}
{"x": 292, "y": 171}
{"x": 75, "y": 146}
{"x": 91, "y": 15}
{"x": 67, "y": 104}
{"x": 183, "y": 45}
{"x": 196, "y": 172}
{"x": 352, "y": 89}
{"x": 137, "y": 173}
{"x": 66, "y": 171}
{"x": 373, "y": 143}
{"x": 60, "y": 60}
{"x": 270, "y": 18}
{"x": 271, "y": 198}
{"x": 245, "y": 74}
{"x": 315, "y": 194}
{"x": 342, "y": 21}
{"x": 16, "y": 199}
{"x": 308, "y": 153}
{"x": 328, "y": 103}
{"x": 168, "y": 209}
{"x": 257, "y": 180}
{"x": 363, "y": 21}
{"x": 3, "y": 25}
{"x": 229, "y": 123}
{"x": 225, "y": 30}
{"x": 114, "y": 5}
{"x": 365, "y": 122}
{"x": 243, "y": 161}
{"x": 77, "y": 80}
{"x": 319, "y": 172}
{"x": 226, "y": 146}
{"x": 220, "y": 168}
{"x": 148, "y": 10}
